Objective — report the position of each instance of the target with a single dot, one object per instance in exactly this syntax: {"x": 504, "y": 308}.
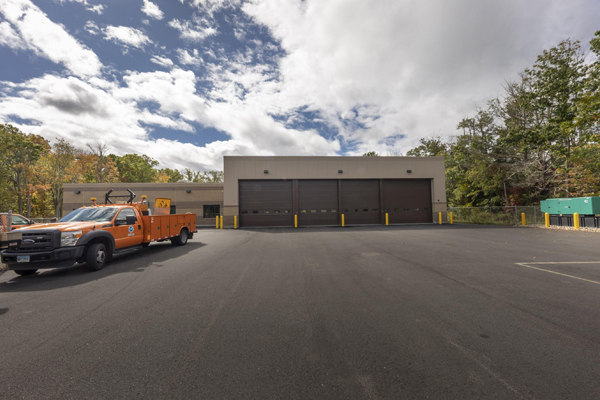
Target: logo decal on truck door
{"x": 131, "y": 229}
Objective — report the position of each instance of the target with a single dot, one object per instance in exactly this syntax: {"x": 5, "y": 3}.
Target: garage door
{"x": 407, "y": 200}
{"x": 317, "y": 202}
{"x": 266, "y": 203}
{"x": 360, "y": 201}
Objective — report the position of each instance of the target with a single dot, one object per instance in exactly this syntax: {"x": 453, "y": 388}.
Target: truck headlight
{"x": 69, "y": 238}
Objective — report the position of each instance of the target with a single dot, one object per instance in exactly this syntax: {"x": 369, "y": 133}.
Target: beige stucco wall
{"x": 201, "y": 194}
{"x": 247, "y": 167}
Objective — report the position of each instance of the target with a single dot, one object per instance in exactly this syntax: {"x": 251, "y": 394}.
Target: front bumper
{"x": 58, "y": 258}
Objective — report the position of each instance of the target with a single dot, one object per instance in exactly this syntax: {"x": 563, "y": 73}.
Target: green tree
{"x": 370, "y": 154}
{"x": 432, "y": 146}
{"x": 170, "y": 175}
{"x": 189, "y": 175}
{"x": 136, "y": 168}
{"x": 19, "y": 156}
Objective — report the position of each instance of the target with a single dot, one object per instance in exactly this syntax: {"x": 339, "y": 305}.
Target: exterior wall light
{"x": 340, "y": 171}
{"x": 408, "y": 171}
{"x": 266, "y": 171}
{"x": 77, "y": 191}
{"x": 188, "y": 191}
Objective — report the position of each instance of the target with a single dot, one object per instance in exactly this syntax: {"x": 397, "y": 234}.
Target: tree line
{"x": 32, "y": 171}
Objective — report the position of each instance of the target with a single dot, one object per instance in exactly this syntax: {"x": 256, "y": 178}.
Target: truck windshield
{"x": 102, "y": 214}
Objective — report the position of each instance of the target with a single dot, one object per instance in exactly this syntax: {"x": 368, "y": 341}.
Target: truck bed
{"x": 161, "y": 227}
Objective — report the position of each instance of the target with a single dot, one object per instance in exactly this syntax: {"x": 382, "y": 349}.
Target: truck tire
{"x": 24, "y": 272}
{"x": 96, "y": 257}
{"x": 181, "y": 239}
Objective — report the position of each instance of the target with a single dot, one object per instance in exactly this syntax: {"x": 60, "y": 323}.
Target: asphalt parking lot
{"x": 403, "y": 312}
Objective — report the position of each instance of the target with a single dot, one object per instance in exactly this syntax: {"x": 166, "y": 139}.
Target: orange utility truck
{"x": 94, "y": 234}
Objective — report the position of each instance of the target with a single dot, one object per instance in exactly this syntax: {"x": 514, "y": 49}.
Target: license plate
{"x": 22, "y": 259}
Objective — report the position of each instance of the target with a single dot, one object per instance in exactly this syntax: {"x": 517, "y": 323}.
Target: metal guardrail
{"x": 507, "y": 216}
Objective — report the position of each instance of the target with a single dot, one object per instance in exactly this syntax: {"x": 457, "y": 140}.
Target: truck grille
{"x": 36, "y": 242}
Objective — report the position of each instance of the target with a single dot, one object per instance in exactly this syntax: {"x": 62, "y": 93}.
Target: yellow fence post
{"x": 235, "y": 222}
{"x": 217, "y": 222}
{"x": 296, "y": 221}
{"x": 221, "y": 222}
{"x": 343, "y": 220}
{"x": 523, "y": 219}
{"x": 440, "y": 215}
{"x": 576, "y": 220}
{"x": 387, "y": 221}
{"x": 547, "y": 218}
{"x": 451, "y": 217}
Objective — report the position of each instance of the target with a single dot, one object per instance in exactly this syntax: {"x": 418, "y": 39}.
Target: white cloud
{"x": 123, "y": 116}
{"x": 196, "y": 29}
{"x": 97, "y": 8}
{"x": 126, "y": 36}
{"x": 185, "y": 58}
{"x": 48, "y": 39}
{"x": 212, "y": 6}
{"x": 162, "y": 61}
{"x": 152, "y": 10}
{"x": 407, "y": 67}
{"x": 92, "y": 28}
{"x": 10, "y": 38}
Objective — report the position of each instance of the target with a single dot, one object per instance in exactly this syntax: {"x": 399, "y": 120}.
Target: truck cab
{"x": 19, "y": 221}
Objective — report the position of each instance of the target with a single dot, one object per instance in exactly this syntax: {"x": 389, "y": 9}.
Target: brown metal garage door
{"x": 407, "y": 200}
{"x": 317, "y": 202}
{"x": 266, "y": 203}
{"x": 360, "y": 201}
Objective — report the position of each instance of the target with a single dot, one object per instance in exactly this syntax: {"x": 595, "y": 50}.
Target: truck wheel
{"x": 181, "y": 239}
{"x": 24, "y": 272}
{"x": 96, "y": 257}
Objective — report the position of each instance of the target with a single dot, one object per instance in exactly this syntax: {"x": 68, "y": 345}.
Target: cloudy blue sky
{"x": 187, "y": 81}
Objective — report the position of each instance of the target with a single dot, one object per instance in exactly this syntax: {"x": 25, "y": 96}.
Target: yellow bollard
{"x": 547, "y": 218}
{"x": 576, "y": 220}
{"x": 343, "y": 220}
{"x": 235, "y": 222}
{"x": 387, "y": 221}
{"x": 221, "y": 222}
{"x": 440, "y": 214}
{"x": 523, "y": 220}
{"x": 217, "y": 222}
{"x": 451, "y": 218}
{"x": 296, "y": 221}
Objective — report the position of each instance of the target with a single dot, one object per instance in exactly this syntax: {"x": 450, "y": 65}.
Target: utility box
{"x": 589, "y": 205}
{"x": 561, "y": 211}
{"x": 580, "y": 205}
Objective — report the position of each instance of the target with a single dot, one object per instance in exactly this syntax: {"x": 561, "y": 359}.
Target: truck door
{"x": 127, "y": 235}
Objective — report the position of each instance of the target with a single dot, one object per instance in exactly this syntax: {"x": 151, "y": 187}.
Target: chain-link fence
{"x": 5, "y": 222}
{"x": 509, "y": 215}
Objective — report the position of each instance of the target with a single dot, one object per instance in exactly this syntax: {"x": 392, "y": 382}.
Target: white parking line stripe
{"x": 565, "y": 262}
{"x": 559, "y": 273}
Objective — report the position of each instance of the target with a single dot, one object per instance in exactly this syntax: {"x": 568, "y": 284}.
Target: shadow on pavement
{"x": 77, "y": 274}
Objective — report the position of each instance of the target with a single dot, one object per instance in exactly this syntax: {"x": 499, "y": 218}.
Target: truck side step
{"x": 126, "y": 250}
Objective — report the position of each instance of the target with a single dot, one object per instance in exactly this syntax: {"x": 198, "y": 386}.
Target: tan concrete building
{"x": 270, "y": 191}
{"x": 204, "y": 199}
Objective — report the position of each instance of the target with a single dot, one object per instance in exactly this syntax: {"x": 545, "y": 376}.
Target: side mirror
{"x": 130, "y": 220}
{"x": 53, "y": 220}
{"x": 31, "y": 222}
